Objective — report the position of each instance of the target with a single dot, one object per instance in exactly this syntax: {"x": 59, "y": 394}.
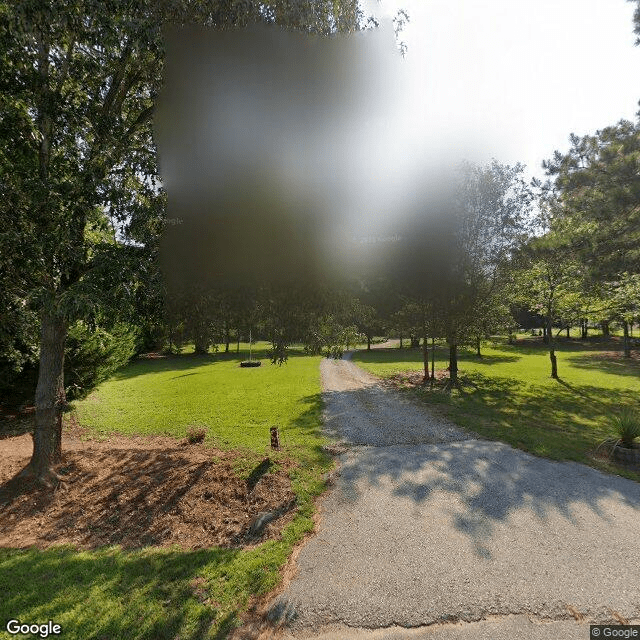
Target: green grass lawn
{"x": 158, "y": 593}
{"x": 237, "y": 405}
{"x": 507, "y": 394}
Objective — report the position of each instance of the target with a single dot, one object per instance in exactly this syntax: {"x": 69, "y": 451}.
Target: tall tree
{"x": 78, "y": 83}
{"x": 548, "y": 285}
{"x": 597, "y": 188}
{"x": 594, "y": 191}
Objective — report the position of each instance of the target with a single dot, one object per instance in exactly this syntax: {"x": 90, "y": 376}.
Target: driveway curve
{"x": 431, "y": 529}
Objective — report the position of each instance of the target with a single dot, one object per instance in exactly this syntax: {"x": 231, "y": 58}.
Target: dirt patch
{"x": 139, "y": 491}
{"x": 410, "y": 379}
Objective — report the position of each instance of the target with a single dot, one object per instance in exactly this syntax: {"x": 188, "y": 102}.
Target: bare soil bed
{"x": 139, "y": 491}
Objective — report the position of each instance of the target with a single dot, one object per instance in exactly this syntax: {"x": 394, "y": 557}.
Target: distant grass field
{"x": 149, "y": 593}
{"x": 167, "y": 395}
{"x": 507, "y": 393}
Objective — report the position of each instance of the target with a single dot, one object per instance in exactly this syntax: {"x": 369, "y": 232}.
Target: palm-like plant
{"x": 627, "y": 426}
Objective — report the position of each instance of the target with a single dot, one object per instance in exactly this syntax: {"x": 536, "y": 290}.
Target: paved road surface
{"x": 455, "y": 537}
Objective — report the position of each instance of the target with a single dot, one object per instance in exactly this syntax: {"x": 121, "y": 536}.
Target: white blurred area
{"x": 338, "y": 138}
{"x": 517, "y": 75}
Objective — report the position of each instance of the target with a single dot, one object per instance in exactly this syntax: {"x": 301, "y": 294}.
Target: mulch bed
{"x": 413, "y": 379}
{"x": 139, "y": 491}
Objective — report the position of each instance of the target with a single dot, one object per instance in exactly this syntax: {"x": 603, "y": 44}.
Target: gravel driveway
{"x": 427, "y": 528}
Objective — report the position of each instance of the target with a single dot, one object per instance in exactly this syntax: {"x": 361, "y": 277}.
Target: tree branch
{"x": 117, "y": 78}
{"x": 65, "y": 65}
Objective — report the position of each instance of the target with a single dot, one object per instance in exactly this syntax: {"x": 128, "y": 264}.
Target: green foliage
{"x": 330, "y": 338}
{"x": 549, "y": 281}
{"x": 627, "y": 426}
{"x": 453, "y": 262}
{"x": 18, "y": 348}
{"x": 93, "y": 354}
{"x": 597, "y": 187}
{"x": 365, "y": 318}
{"x": 623, "y": 297}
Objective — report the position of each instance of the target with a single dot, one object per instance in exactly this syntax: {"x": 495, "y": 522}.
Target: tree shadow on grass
{"x": 183, "y": 362}
{"x": 489, "y": 359}
{"x": 306, "y": 428}
{"x": 110, "y": 593}
{"x": 611, "y": 362}
{"x": 535, "y": 412}
{"x": 389, "y": 356}
{"x": 188, "y": 361}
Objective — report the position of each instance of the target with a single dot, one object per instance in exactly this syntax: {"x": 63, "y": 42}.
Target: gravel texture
{"x": 455, "y": 529}
{"x": 361, "y": 413}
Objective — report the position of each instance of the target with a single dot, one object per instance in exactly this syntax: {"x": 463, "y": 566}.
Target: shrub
{"x": 93, "y": 354}
{"x": 330, "y": 338}
{"x": 19, "y": 339}
{"x": 627, "y": 426}
{"x": 196, "y": 434}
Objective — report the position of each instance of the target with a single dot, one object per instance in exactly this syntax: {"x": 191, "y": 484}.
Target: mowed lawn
{"x": 160, "y": 593}
{"x": 507, "y": 394}
{"x": 237, "y": 405}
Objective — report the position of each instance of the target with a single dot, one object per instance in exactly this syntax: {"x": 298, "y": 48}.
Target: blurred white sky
{"x": 512, "y": 79}
{"x": 509, "y": 79}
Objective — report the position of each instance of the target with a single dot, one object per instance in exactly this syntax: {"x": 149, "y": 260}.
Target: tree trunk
{"x": 627, "y": 342}
{"x": 554, "y": 363}
{"x": 433, "y": 358}
{"x": 50, "y": 399}
{"x": 605, "y": 330}
{"x": 568, "y": 332}
{"x": 585, "y": 329}
{"x": 202, "y": 343}
{"x": 478, "y": 352}
{"x": 227, "y": 337}
{"x": 400, "y": 341}
{"x": 201, "y": 348}
{"x": 453, "y": 362}
{"x": 552, "y": 351}
{"x": 425, "y": 356}
{"x": 368, "y": 343}
{"x": 415, "y": 342}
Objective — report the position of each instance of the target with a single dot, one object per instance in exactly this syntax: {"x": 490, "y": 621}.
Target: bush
{"x": 18, "y": 350}
{"x": 330, "y": 338}
{"x": 627, "y": 426}
{"x": 196, "y": 434}
{"x": 93, "y": 355}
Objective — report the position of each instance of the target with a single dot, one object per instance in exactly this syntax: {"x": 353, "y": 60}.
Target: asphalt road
{"x": 431, "y": 533}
